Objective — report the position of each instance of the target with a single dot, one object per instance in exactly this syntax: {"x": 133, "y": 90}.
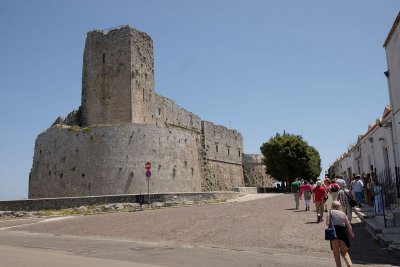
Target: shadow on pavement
{"x": 315, "y": 222}
{"x": 291, "y": 209}
{"x": 365, "y": 250}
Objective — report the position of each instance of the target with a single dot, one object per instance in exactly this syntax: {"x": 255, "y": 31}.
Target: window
{"x": 239, "y": 152}
{"x": 158, "y": 111}
{"x": 216, "y": 147}
{"x": 190, "y": 119}
{"x": 104, "y": 58}
{"x": 229, "y": 149}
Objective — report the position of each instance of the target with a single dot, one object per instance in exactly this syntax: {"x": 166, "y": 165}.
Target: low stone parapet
{"x": 246, "y": 190}
{"x": 71, "y": 202}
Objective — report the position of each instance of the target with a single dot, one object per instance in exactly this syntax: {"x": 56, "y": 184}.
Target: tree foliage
{"x": 288, "y": 156}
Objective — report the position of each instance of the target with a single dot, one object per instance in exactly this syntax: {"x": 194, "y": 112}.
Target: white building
{"x": 373, "y": 152}
{"x": 392, "y": 47}
{"x": 377, "y": 151}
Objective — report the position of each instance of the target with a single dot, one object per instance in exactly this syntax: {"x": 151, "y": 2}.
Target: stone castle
{"x": 122, "y": 123}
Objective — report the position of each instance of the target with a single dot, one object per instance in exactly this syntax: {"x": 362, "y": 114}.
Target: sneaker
{"x": 319, "y": 219}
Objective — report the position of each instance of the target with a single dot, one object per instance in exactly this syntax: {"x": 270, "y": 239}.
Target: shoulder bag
{"x": 352, "y": 202}
{"x": 330, "y": 232}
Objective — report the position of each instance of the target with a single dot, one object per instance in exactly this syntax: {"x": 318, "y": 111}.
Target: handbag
{"x": 330, "y": 232}
{"x": 352, "y": 202}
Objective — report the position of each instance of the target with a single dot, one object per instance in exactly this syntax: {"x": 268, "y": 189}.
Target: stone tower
{"x": 118, "y": 78}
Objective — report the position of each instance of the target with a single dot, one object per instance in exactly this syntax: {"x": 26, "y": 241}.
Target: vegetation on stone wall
{"x": 288, "y": 156}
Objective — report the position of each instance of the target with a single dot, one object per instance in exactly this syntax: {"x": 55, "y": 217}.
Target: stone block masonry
{"x": 101, "y": 148}
{"x": 255, "y": 172}
{"x": 118, "y": 77}
{"x": 107, "y": 160}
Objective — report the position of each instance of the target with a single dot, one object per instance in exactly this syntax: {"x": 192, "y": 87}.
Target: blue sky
{"x": 313, "y": 68}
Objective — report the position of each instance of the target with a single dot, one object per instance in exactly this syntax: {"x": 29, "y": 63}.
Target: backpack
{"x": 334, "y": 188}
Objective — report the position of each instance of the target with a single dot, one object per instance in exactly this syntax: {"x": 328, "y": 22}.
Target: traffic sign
{"x": 148, "y": 174}
{"x": 148, "y": 166}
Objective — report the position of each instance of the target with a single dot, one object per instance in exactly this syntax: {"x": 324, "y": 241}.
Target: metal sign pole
{"x": 148, "y": 175}
{"x": 148, "y": 193}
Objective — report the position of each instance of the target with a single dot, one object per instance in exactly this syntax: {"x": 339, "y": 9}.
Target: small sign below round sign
{"x": 148, "y": 166}
{"x": 148, "y": 174}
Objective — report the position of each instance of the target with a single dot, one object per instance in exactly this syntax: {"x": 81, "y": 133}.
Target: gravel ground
{"x": 268, "y": 222}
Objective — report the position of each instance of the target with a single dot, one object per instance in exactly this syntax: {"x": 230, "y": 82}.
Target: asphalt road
{"x": 260, "y": 232}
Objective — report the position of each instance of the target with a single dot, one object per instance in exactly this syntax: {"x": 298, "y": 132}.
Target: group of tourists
{"x": 340, "y": 213}
{"x": 367, "y": 190}
{"x": 361, "y": 189}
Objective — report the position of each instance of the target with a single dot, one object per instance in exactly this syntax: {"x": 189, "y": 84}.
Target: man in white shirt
{"x": 358, "y": 190}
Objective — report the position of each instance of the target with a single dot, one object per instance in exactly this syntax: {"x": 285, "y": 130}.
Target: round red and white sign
{"x": 148, "y": 166}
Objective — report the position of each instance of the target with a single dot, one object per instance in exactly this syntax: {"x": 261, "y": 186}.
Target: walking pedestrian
{"x": 352, "y": 181}
{"x": 378, "y": 197}
{"x": 341, "y": 183}
{"x": 318, "y": 198}
{"x": 358, "y": 190}
{"x": 367, "y": 192}
{"x": 344, "y": 197}
{"x": 306, "y": 190}
{"x": 334, "y": 189}
{"x": 340, "y": 246}
{"x": 327, "y": 184}
{"x": 295, "y": 190}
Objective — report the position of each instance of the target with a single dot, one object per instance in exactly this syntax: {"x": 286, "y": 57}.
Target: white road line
{"x": 43, "y": 221}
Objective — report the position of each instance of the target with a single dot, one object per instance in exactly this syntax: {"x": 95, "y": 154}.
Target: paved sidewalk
{"x": 388, "y": 237}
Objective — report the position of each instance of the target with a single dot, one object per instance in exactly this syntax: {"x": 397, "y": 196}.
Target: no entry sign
{"x": 148, "y": 166}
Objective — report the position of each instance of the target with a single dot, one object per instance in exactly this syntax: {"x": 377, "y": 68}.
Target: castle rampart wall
{"x": 254, "y": 171}
{"x": 170, "y": 114}
{"x": 222, "y": 144}
{"x": 223, "y": 154}
{"x": 110, "y": 160}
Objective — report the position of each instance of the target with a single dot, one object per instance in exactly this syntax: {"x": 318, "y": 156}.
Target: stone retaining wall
{"x": 71, "y": 202}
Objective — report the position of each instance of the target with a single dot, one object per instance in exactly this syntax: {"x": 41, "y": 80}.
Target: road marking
{"x": 43, "y": 221}
{"x": 249, "y": 197}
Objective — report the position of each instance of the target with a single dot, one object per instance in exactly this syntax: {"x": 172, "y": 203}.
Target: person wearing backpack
{"x": 344, "y": 197}
{"x": 318, "y": 194}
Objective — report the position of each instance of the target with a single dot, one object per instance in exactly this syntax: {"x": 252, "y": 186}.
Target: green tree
{"x": 288, "y": 156}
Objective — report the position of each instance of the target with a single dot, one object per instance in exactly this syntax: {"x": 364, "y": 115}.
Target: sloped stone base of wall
{"x": 71, "y": 202}
{"x": 246, "y": 190}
